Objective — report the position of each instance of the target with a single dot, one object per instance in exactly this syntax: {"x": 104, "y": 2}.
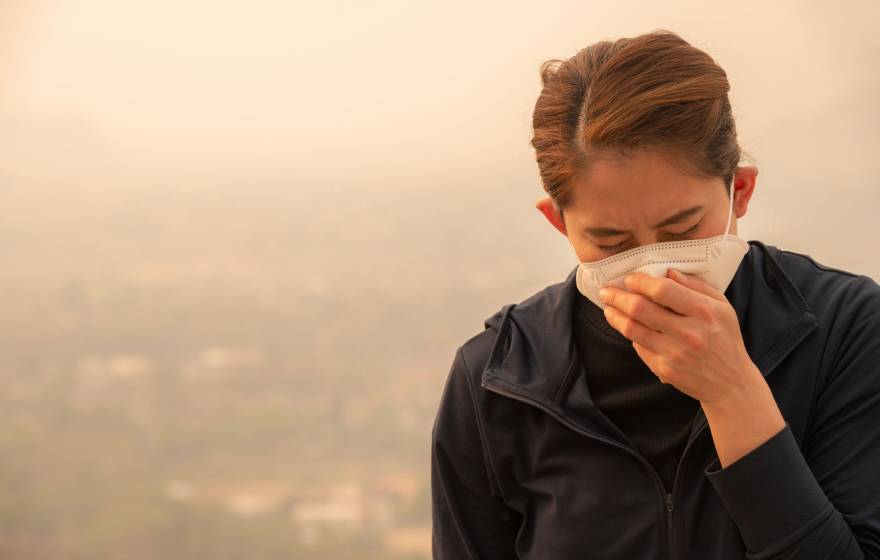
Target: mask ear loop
{"x": 572, "y": 248}
{"x": 730, "y": 209}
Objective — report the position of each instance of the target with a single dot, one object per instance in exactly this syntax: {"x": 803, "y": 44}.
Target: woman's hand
{"x": 687, "y": 333}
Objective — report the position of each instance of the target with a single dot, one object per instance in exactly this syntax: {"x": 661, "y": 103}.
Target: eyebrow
{"x": 674, "y": 219}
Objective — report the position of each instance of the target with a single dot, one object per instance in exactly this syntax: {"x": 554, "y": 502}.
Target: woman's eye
{"x": 684, "y": 232}
{"x": 609, "y": 248}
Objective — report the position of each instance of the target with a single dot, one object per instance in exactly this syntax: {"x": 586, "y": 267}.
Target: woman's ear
{"x": 554, "y": 215}
{"x": 746, "y": 180}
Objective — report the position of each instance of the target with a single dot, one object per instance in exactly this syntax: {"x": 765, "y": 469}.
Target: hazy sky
{"x": 405, "y": 95}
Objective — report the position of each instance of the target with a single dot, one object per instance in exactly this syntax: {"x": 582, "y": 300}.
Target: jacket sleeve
{"x": 469, "y": 519}
{"x": 822, "y": 503}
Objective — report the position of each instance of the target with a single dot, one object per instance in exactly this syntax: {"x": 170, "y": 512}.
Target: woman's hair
{"x": 654, "y": 91}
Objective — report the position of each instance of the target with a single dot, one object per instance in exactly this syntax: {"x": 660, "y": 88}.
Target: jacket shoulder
{"x": 847, "y": 307}
{"x": 539, "y": 306}
{"x": 459, "y": 422}
{"x": 476, "y": 350}
{"x": 802, "y": 263}
{"x": 826, "y": 288}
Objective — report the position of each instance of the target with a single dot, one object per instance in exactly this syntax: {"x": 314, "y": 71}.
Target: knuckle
{"x": 706, "y": 312}
{"x": 693, "y": 340}
{"x": 658, "y": 290}
{"x": 668, "y": 371}
{"x": 636, "y": 306}
{"x": 675, "y": 356}
{"x": 663, "y": 372}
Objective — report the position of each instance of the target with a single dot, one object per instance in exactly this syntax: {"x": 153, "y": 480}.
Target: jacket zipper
{"x": 669, "y": 518}
{"x": 670, "y": 502}
{"x": 665, "y": 497}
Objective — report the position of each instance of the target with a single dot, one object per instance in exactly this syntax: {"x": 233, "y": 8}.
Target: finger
{"x": 695, "y": 282}
{"x": 634, "y": 330}
{"x": 642, "y": 309}
{"x": 665, "y": 291}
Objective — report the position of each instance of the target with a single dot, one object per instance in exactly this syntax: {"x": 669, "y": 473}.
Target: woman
{"x": 721, "y": 403}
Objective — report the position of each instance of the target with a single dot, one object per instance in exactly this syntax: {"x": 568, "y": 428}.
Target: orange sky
{"x": 389, "y": 89}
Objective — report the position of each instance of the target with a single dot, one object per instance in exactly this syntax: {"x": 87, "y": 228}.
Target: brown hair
{"x": 653, "y": 91}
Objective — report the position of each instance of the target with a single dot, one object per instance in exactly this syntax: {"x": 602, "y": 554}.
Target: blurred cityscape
{"x": 198, "y": 371}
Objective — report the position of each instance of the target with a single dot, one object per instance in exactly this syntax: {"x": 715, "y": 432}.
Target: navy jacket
{"x": 523, "y": 464}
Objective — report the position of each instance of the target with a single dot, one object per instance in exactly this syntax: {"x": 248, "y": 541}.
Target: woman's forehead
{"x": 655, "y": 206}
{"x": 641, "y": 170}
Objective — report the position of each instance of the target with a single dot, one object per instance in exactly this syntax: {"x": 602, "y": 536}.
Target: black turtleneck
{"x": 655, "y": 416}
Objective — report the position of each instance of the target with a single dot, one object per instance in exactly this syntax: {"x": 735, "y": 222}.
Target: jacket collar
{"x": 534, "y": 354}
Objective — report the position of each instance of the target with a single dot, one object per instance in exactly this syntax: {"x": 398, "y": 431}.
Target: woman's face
{"x": 640, "y": 199}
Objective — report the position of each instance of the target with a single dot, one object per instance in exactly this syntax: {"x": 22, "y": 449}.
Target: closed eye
{"x": 610, "y": 248}
{"x": 684, "y": 233}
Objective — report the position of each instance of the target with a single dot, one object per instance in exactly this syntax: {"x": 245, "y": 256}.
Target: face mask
{"x": 714, "y": 259}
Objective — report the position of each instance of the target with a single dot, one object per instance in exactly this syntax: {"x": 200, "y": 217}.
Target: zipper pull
{"x": 668, "y": 502}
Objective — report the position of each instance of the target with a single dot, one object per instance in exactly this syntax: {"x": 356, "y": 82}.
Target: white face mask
{"x": 714, "y": 259}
